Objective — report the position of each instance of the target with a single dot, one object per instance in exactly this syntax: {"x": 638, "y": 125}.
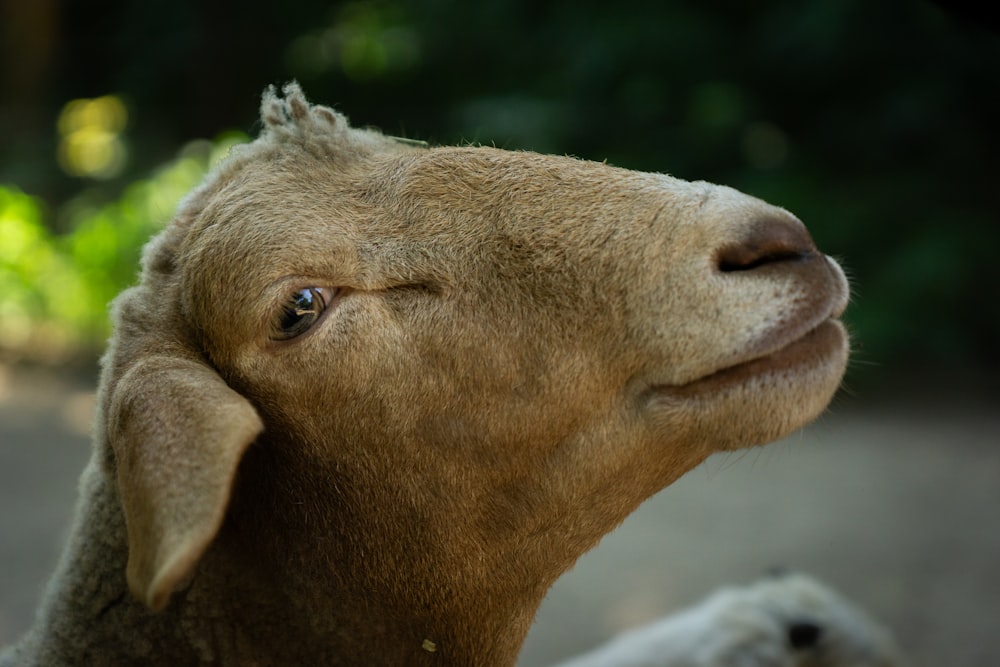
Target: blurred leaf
{"x": 54, "y": 291}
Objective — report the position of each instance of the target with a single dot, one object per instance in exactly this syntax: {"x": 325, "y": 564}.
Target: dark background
{"x": 875, "y": 122}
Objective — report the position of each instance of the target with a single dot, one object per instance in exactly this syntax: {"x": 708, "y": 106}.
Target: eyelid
{"x": 328, "y": 293}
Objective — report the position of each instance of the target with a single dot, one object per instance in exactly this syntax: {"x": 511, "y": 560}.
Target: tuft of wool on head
{"x": 289, "y": 118}
{"x": 294, "y": 115}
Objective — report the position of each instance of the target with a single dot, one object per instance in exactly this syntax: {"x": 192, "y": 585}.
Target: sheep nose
{"x": 770, "y": 240}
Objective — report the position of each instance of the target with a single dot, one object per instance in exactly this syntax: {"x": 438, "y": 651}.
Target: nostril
{"x": 769, "y": 241}
{"x": 750, "y": 261}
{"x": 803, "y": 635}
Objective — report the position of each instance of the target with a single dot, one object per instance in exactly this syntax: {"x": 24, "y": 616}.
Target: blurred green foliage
{"x": 876, "y": 123}
{"x": 55, "y": 289}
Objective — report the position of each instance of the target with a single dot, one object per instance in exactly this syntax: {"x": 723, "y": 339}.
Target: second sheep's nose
{"x": 769, "y": 241}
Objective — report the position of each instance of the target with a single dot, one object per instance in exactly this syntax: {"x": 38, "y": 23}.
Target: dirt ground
{"x": 896, "y": 506}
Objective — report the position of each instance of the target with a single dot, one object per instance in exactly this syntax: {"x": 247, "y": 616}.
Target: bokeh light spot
{"x": 90, "y": 144}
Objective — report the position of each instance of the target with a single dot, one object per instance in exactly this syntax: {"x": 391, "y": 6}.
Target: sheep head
{"x": 428, "y": 379}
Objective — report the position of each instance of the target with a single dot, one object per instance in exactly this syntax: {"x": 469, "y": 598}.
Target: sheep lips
{"x": 823, "y": 342}
{"x": 809, "y": 353}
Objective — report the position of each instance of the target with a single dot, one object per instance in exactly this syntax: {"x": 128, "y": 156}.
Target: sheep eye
{"x": 300, "y": 312}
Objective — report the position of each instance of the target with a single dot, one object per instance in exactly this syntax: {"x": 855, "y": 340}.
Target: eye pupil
{"x": 300, "y": 312}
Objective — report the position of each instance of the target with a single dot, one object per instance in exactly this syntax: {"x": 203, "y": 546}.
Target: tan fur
{"x": 522, "y": 349}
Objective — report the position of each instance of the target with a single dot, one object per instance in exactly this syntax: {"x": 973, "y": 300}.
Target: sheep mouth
{"x": 813, "y": 351}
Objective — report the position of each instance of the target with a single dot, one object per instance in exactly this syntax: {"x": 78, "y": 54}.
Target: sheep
{"x": 369, "y": 399}
{"x": 784, "y": 620}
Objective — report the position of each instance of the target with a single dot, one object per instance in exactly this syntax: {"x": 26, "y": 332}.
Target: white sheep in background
{"x": 369, "y": 399}
{"x": 788, "y": 620}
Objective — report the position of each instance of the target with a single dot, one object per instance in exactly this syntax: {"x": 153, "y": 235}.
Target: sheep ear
{"x": 178, "y": 434}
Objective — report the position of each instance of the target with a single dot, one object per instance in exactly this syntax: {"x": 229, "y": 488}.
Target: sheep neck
{"x": 275, "y": 600}
{"x": 370, "y": 567}
{"x": 413, "y": 584}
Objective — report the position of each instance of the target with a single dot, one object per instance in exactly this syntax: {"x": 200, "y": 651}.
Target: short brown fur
{"x": 519, "y": 349}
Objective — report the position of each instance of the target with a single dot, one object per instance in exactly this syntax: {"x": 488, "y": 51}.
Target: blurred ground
{"x": 896, "y": 506}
